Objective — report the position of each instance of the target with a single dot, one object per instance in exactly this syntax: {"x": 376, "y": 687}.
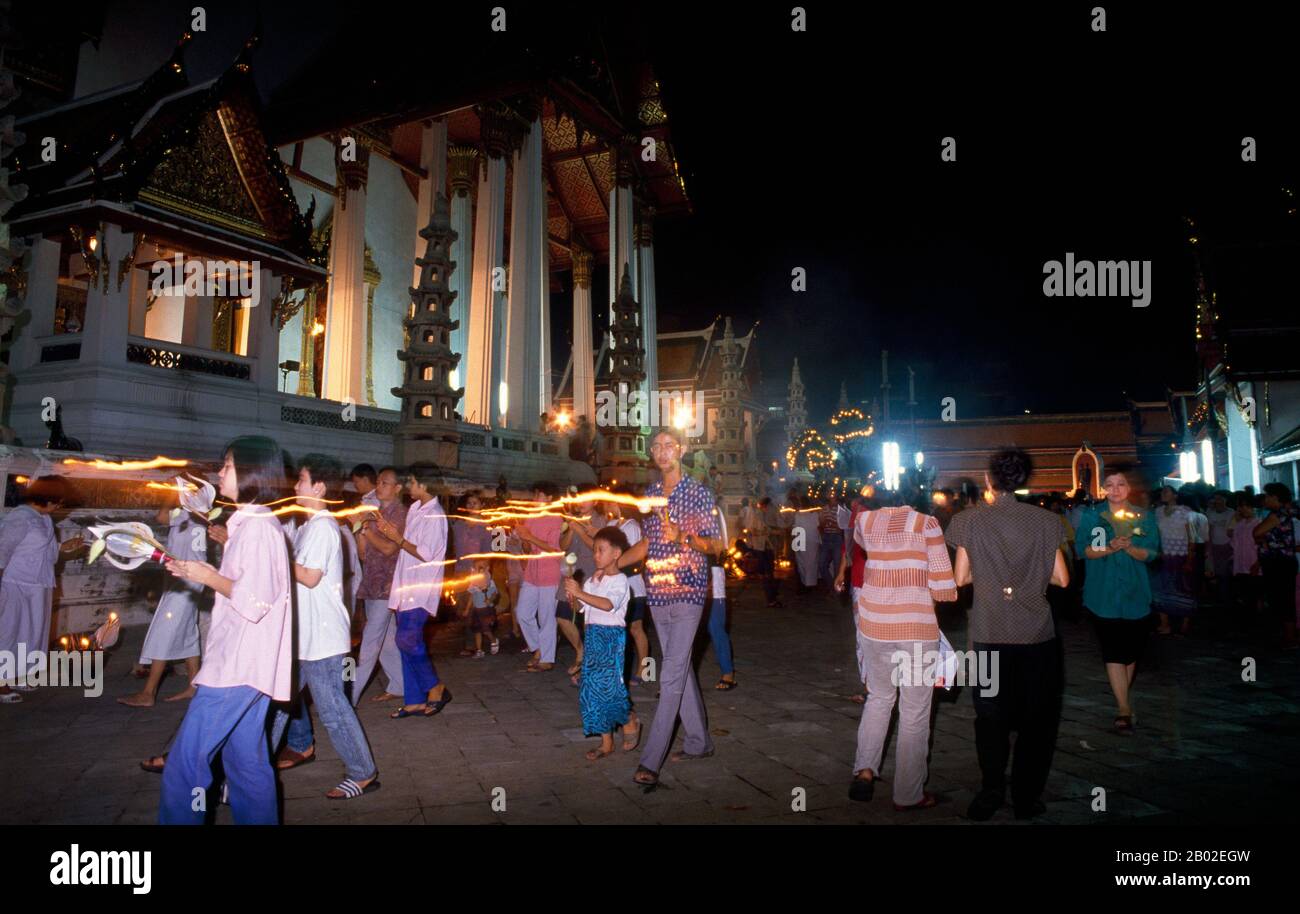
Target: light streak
{"x": 491, "y": 555}
{"x": 128, "y": 465}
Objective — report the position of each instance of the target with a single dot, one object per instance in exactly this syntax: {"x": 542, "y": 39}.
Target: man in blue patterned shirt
{"x": 679, "y": 538}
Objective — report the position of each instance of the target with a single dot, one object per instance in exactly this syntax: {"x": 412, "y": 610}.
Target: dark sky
{"x": 821, "y": 150}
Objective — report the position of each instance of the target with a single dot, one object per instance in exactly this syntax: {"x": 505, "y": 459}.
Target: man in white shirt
{"x": 324, "y": 637}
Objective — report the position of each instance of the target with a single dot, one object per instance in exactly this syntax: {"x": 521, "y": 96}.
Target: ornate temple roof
{"x": 163, "y": 153}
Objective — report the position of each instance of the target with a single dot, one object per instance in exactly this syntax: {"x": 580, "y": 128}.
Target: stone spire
{"x": 729, "y": 430}
{"x": 427, "y": 431}
{"x": 626, "y": 352}
{"x": 796, "y": 409}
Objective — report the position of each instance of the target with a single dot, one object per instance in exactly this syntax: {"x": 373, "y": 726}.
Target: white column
{"x": 41, "y": 298}
{"x": 463, "y": 166}
{"x": 622, "y": 246}
{"x": 433, "y": 159}
{"x": 545, "y": 392}
{"x": 480, "y": 372}
{"x": 345, "y": 322}
{"x": 584, "y": 374}
{"x": 649, "y": 318}
{"x": 264, "y": 336}
{"x": 103, "y": 341}
{"x": 524, "y": 303}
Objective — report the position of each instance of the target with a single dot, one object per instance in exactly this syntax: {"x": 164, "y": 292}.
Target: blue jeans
{"x": 231, "y": 722}
{"x": 418, "y": 672}
{"x": 325, "y": 679}
{"x": 828, "y": 556}
{"x": 718, "y": 634}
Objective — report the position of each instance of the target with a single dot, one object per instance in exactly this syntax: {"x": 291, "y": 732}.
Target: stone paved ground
{"x": 1209, "y": 749}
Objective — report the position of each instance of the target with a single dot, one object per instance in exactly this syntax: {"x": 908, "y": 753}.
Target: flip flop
{"x": 597, "y": 754}
{"x": 725, "y": 685}
{"x": 636, "y": 738}
{"x": 351, "y": 789}
{"x": 1124, "y": 723}
{"x": 643, "y": 770}
{"x": 928, "y": 801}
{"x": 150, "y": 767}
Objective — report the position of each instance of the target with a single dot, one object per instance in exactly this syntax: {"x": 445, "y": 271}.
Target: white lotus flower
{"x": 126, "y": 545}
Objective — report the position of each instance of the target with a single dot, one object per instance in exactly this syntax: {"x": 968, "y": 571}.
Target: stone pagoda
{"x": 427, "y": 431}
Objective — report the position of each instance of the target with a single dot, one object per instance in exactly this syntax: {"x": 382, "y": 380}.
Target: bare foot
{"x": 384, "y": 696}
{"x": 138, "y": 700}
{"x": 541, "y": 668}
{"x": 181, "y": 696}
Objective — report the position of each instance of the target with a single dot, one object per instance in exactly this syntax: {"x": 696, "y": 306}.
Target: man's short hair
{"x": 363, "y": 471}
{"x": 323, "y": 468}
{"x": 1009, "y": 470}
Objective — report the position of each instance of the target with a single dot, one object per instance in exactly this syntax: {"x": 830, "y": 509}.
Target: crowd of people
{"x": 337, "y": 591}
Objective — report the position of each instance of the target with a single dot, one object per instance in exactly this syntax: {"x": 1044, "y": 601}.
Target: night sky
{"x": 821, "y": 150}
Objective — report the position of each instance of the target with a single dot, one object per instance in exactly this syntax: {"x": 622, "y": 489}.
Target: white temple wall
{"x": 390, "y": 232}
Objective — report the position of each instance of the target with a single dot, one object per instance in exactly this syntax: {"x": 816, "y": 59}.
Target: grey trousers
{"x": 679, "y": 693}
{"x": 378, "y": 643}
{"x": 913, "y": 719}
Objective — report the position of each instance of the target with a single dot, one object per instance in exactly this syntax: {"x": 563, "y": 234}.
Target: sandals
{"x": 576, "y": 668}
{"x": 433, "y": 707}
{"x": 540, "y": 668}
{"x": 149, "y": 765}
{"x": 597, "y": 754}
{"x": 467, "y": 652}
{"x": 726, "y": 685}
{"x": 645, "y": 777}
{"x": 402, "y": 712}
{"x": 635, "y": 737}
{"x": 862, "y": 789}
{"x": 291, "y": 758}
{"x": 351, "y": 789}
{"x": 1124, "y": 723}
{"x": 690, "y": 756}
{"x": 928, "y": 801}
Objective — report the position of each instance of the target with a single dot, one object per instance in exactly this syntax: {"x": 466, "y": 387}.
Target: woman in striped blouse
{"x": 907, "y": 570}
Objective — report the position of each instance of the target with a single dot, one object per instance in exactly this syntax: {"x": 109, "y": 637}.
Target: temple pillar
{"x": 108, "y": 301}
{"x": 463, "y": 165}
{"x": 522, "y": 352}
{"x": 203, "y": 308}
{"x": 622, "y": 242}
{"x": 40, "y": 300}
{"x": 345, "y": 322}
{"x": 264, "y": 335}
{"x": 584, "y": 370}
{"x": 649, "y": 318}
{"x": 433, "y": 159}
{"x": 482, "y": 370}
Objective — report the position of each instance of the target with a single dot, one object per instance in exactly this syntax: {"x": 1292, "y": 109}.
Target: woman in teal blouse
{"x": 1118, "y": 540}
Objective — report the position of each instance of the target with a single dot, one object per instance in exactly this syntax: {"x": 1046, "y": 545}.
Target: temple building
{"x": 360, "y": 267}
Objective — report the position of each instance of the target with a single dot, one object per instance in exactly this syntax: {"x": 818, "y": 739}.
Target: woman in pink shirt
{"x": 249, "y": 655}
{"x": 541, "y": 578}
{"x": 416, "y": 590}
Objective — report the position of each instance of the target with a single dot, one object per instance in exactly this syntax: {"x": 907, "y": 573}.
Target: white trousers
{"x": 536, "y": 614}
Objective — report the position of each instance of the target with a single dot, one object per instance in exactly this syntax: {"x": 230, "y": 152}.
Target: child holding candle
{"x": 249, "y": 656}
{"x": 28, "y": 554}
{"x": 603, "y": 598}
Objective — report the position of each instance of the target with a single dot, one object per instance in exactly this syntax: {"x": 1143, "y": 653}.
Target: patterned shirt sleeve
{"x": 943, "y": 586}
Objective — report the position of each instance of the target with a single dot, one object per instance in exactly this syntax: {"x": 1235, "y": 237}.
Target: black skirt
{"x": 1122, "y": 640}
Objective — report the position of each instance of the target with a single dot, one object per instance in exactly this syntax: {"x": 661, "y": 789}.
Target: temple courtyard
{"x": 1209, "y": 747}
